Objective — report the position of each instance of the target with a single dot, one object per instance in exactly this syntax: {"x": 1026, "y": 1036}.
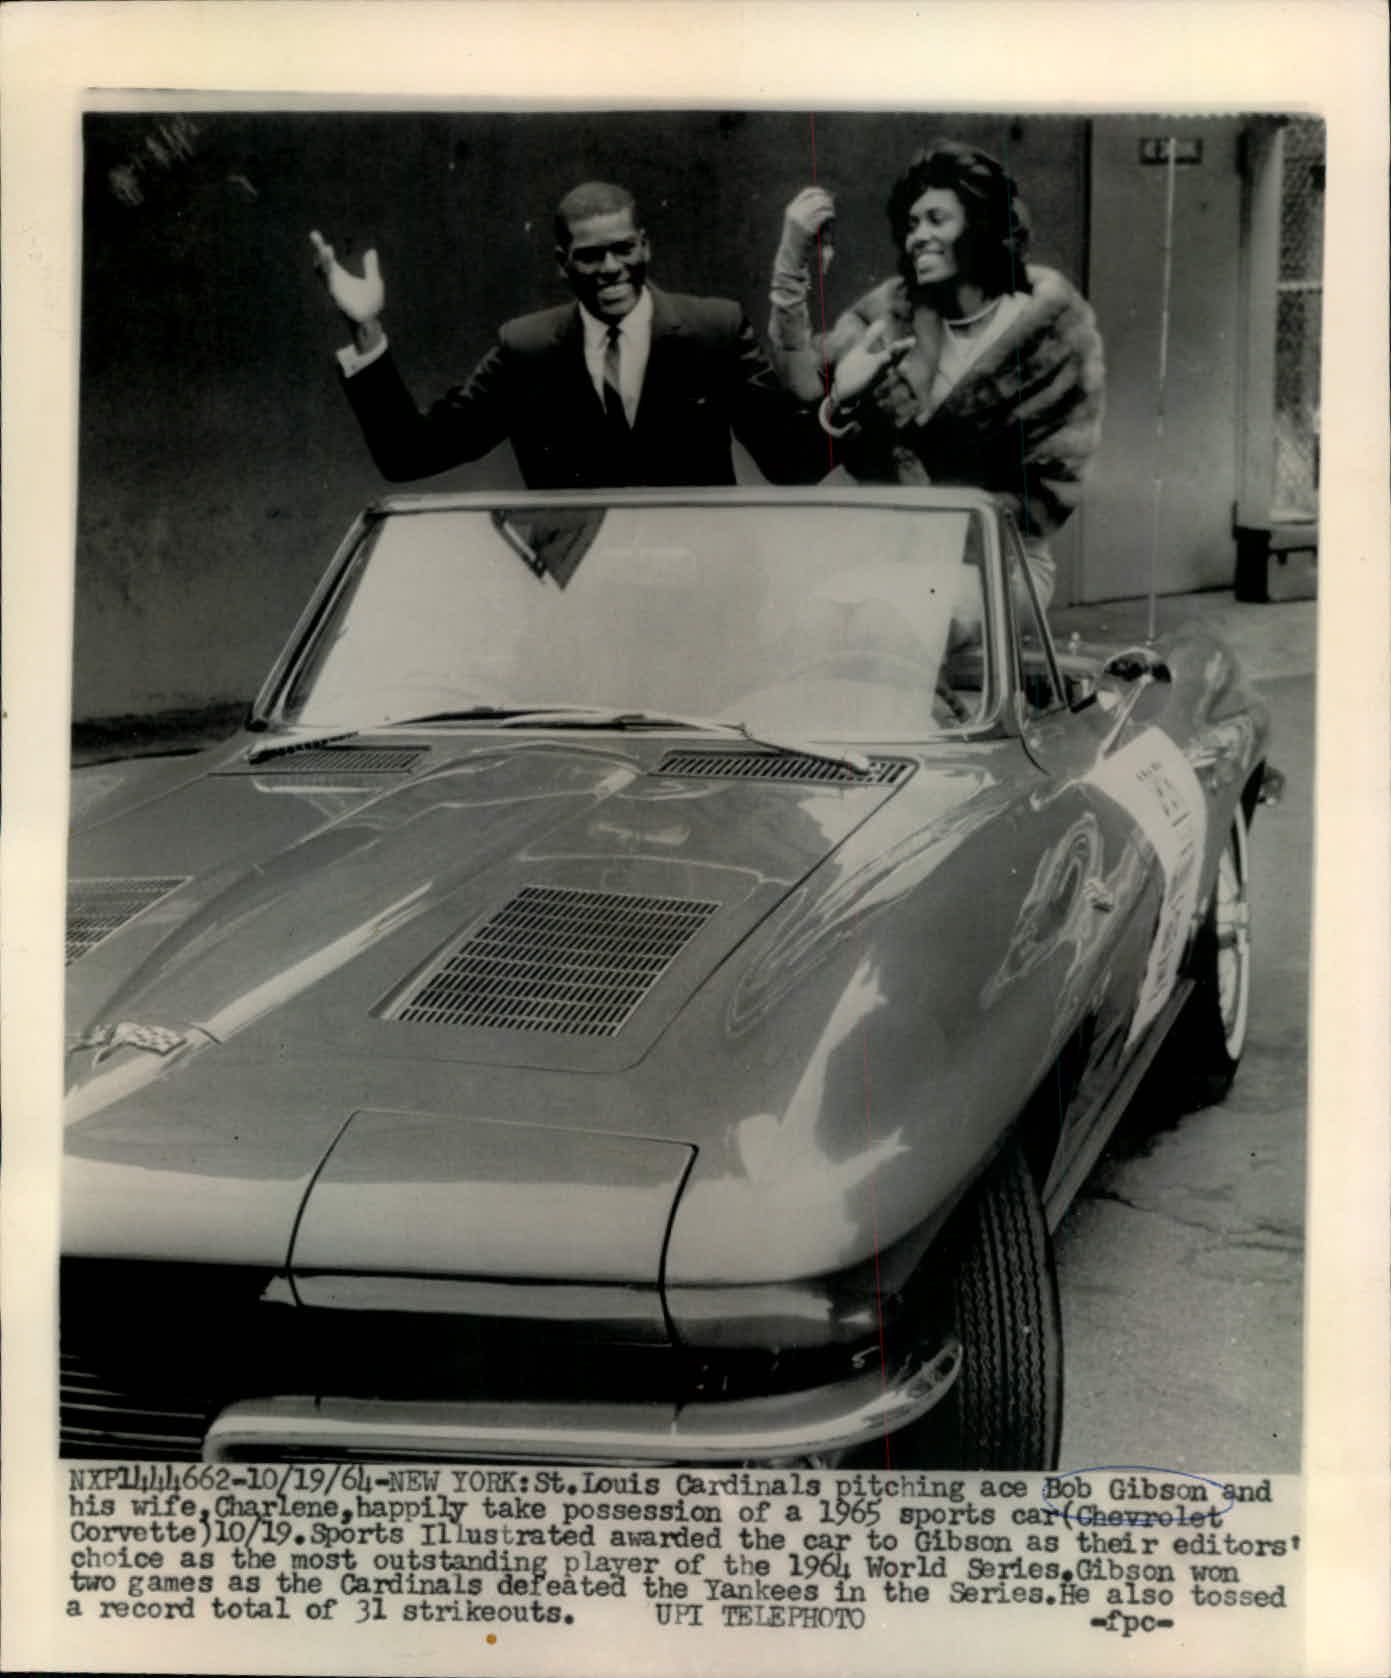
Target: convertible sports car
{"x": 641, "y": 988}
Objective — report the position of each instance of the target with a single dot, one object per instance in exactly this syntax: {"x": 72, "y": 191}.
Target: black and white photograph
{"x": 668, "y": 934}
{"x": 691, "y": 861}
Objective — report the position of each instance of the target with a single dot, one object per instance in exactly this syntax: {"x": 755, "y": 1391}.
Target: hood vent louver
{"x": 97, "y": 908}
{"x": 801, "y": 767}
{"x": 555, "y": 959}
{"x": 339, "y": 760}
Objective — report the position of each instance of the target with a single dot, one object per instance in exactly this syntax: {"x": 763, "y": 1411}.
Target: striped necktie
{"x": 613, "y": 390}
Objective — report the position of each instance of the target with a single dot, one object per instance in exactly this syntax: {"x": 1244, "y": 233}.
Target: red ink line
{"x": 821, "y": 286}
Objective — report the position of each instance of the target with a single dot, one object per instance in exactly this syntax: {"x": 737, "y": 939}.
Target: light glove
{"x": 805, "y": 222}
{"x": 864, "y": 366}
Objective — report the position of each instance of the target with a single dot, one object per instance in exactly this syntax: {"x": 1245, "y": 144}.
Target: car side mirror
{"x": 1147, "y": 678}
{"x": 1133, "y": 663}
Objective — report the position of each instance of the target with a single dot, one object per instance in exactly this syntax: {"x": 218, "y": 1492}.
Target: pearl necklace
{"x": 971, "y": 320}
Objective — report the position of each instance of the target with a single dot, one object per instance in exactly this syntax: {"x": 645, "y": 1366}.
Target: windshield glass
{"x": 841, "y": 622}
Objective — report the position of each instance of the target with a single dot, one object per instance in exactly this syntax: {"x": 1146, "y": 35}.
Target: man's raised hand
{"x": 359, "y": 298}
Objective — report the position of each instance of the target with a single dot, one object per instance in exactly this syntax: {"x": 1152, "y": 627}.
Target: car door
{"x": 1105, "y": 887}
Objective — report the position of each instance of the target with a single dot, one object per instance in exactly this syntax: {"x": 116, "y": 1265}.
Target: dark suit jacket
{"x": 706, "y": 376}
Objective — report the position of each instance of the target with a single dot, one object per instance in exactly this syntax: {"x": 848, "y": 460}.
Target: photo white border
{"x": 1324, "y": 56}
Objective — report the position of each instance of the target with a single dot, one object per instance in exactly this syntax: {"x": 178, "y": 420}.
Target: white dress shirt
{"x": 352, "y": 360}
{"x": 634, "y": 346}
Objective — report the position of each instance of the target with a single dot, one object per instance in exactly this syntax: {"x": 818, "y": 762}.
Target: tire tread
{"x": 1009, "y": 1392}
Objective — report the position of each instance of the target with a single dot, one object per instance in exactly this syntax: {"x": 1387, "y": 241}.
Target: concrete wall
{"x": 1197, "y": 458}
{"x": 218, "y": 462}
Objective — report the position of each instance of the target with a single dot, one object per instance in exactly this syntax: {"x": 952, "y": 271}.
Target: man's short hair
{"x": 591, "y": 198}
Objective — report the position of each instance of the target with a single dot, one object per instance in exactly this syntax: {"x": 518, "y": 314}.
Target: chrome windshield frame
{"x": 268, "y": 710}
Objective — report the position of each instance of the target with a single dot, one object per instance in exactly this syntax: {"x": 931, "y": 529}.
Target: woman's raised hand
{"x": 806, "y": 222}
{"x": 360, "y": 298}
{"x": 866, "y": 364}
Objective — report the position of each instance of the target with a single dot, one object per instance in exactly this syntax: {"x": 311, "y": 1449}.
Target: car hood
{"x": 224, "y": 1040}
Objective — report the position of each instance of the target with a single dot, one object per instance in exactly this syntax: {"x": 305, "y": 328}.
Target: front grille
{"x": 152, "y": 1352}
{"x": 337, "y": 760}
{"x": 97, "y": 908}
{"x": 106, "y": 1412}
{"x": 782, "y": 766}
{"x": 559, "y": 960}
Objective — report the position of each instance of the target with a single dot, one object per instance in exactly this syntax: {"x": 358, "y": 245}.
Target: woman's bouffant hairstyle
{"x": 995, "y": 245}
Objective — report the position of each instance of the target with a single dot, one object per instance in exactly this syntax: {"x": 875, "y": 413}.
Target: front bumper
{"x": 818, "y": 1422}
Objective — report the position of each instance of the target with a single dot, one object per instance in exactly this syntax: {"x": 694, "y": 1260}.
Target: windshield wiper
{"x": 463, "y": 713}
{"x": 579, "y": 716}
{"x": 303, "y": 742}
{"x": 596, "y": 716}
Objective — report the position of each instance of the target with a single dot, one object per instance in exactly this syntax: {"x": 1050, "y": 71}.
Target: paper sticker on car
{"x": 1152, "y": 780}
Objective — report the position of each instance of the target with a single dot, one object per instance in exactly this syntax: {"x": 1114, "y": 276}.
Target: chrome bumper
{"x": 816, "y": 1422}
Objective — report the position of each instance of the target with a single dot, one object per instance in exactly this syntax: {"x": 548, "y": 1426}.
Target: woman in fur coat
{"x": 971, "y": 367}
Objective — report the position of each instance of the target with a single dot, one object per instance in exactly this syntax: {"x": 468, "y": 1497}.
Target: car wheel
{"x": 1210, "y": 1034}
{"x": 1005, "y": 1409}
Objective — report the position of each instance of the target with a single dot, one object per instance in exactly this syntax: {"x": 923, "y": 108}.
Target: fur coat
{"x": 1022, "y": 421}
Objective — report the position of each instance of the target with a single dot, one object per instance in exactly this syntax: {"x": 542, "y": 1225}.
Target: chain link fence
{"x": 1297, "y": 323}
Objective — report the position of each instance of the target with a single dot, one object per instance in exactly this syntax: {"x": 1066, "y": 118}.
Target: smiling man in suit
{"x": 627, "y": 385}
